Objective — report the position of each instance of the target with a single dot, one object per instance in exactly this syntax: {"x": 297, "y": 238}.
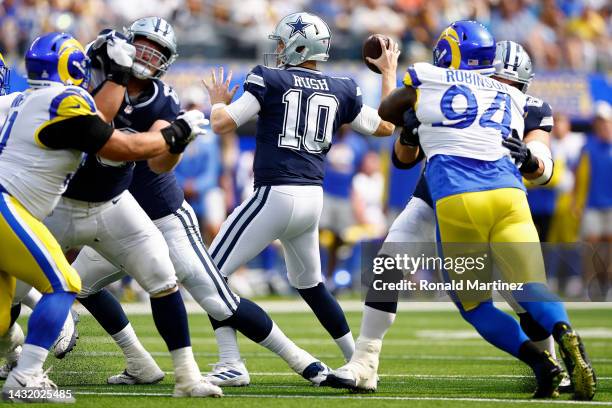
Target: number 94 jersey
{"x": 300, "y": 110}
{"x": 463, "y": 113}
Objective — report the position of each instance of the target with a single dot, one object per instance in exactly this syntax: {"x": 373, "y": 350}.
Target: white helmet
{"x": 149, "y": 62}
{"x": 305, "y": 37}
{"x": 513, "y": 64}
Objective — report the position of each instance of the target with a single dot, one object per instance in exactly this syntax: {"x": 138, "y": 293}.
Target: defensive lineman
{"x": 42, "y": 144}
{"x": 299, "y": 109}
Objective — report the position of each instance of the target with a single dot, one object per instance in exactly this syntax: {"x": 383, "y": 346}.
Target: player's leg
{"x": 200, "y": 276}
{"x": 415, "y": 224}
{"x": 30, "y": 253}
{"x": 517, "y": 251}
{"x": 300, "y": 243}
{"x": 96, "y": 273}
{"x": 129, "y": 238}
{"x": 11, "y": 343}
{"x": 469, "y": 218}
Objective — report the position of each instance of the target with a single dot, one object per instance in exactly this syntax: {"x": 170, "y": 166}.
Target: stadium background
{"x": 569, "y": 41}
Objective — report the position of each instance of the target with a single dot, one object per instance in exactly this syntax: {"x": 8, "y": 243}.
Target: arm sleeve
{"x": 367, "y": 121}
{"x": 539, "y": 116}
{"x": 87, "y": 133}
{"x": 255, "y": 84}
{"x": 244, "y": 108}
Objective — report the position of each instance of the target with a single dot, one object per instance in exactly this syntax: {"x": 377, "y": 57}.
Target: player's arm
{"x": 394, "y": 108}
{"x": 166, "y": 161}
{"x": 108, "y": 100}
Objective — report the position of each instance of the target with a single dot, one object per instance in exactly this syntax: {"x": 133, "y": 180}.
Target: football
{"x": 372, "y": 49}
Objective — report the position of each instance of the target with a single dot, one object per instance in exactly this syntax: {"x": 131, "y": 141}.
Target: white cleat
{"x": 10, "y": 347}
{"x": 36, "y": 388}
{"x": 68, "y": 336}
{"x": 229, "y": 374}
{"x": 142, "y": 371}
{"x": 11, "y": 362}
{"x": 201, "y": 389}
{"x": 359, "y": 374}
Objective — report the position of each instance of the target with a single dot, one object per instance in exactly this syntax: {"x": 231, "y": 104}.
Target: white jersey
{"x": 32, "y": 173}
{"x": 463, "y": 113}
{"x": 5, "y": 105}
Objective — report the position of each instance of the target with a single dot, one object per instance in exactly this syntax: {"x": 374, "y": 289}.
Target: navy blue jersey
{"x": 300, "y": 111}
{"x": 98, "y": 179}
{"x": 538, "y": 115}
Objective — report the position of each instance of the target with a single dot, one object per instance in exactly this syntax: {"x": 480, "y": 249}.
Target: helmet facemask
{"x": 149, "y": 61}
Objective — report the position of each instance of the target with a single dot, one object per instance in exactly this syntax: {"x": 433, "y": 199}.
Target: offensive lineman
{"x": 41, "y": 146}
{"x": 299, "y": 109}
{"x": 494, "y": 325}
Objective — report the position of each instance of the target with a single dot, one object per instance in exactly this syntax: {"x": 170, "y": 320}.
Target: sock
{"x": 385, "y": 300}
{"x": 48, "y": 318}
{"x": 227, "y": 343}
{"x": 540, "y": 337}
{"x": 559, "y": 329}
{"x": 497, "y": 327}
{"x": 186, "y": 370}
{"x": 250, "y": 320}
{"x": 107, "y": 310}
{"x": 375, "y": 322}
{"x": 31, "y": 360}
{"x": 170, "y": 318}
{"x": 128, "y": 342}
{"x": 544, "y": 306}
{"x": 15, "y": 312}
{"x": 32, "y": 298}
{"x": 346, "y": 343}
{"x": 278, "y": 343}
{"x": 327, "y": 310}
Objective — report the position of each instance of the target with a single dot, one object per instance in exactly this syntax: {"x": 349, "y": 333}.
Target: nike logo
{"x": 77, "y": 106}
{"x": 116, "y": 200}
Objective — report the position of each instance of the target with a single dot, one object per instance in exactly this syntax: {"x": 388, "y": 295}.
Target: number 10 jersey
{"x": 300, "y": 111}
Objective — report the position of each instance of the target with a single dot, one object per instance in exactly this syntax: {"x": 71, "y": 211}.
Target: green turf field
{"x": 429, "y": 359}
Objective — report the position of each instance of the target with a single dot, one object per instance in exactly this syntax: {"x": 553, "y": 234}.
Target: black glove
{"x": 113, "y": 53}
{"x": 521, "y": 154}
{"x": 409, "y": 136}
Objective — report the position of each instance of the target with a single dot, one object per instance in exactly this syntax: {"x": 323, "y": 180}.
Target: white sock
{"x": 228, "y": 344}
{"x": 347, "y": 345}
{"x": 280, "y": 344}
{"x": 547, "y": 344}
{"x": 32, "y": 298}
{"x": 128, "y": 342}
{"x": 375, "y": 323}
{"x": 31, "y": 360}
{"x": 186, "y": 370}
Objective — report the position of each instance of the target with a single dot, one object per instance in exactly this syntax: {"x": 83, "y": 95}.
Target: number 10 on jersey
{"x": 318, "y": 127}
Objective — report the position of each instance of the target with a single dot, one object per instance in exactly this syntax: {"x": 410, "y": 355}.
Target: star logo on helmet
{"x": 298, "y": 27}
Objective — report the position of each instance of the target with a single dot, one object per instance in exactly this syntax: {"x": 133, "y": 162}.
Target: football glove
{"x": 409, "y": 136}
{"x": 526, "y": 162}
{"x": 114, "y": 55}
{"x": 184, "y": 130}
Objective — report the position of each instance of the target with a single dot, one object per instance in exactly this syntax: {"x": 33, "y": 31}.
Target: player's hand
{"x": 219, "y": 88}
{"x": 519, "y": 151}
{"x": 387, "y": 62}
{"x": 409, "y": 135}
{"x": 113, "y": 53}
{"x": 184, "y": 130}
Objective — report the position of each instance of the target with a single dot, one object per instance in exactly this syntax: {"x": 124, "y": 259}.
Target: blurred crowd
{"x": 560, "y": 34}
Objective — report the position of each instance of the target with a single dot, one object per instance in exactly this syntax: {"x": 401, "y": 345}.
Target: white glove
{"x": 120, "y": 51}
{"x": 196, "y": 122}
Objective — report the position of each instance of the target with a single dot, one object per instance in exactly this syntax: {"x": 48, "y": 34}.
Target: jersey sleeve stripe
{"x": 411, "y": 78}
{"x": 71, "y": 103}
{"x": 255, "y": 79}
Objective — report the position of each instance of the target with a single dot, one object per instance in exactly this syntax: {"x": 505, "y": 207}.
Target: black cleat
{"x": 548, "y": 378}
{"x": 578, "y": 365}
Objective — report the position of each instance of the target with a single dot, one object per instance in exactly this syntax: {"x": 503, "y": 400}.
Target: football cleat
{"x": 359, "y": 374}
{"x": 578, "y": 365}
{"x": 229, "y": 374}
{"x": 141, "y": 371}
{"x": 11, "y": 362}
{"x": 36, "y": 388}
{"x": 548, "y": 377}
{"x": 68, "y": 336}
{"x": 565, "y": 386}
{"x": 316, "y": 373}
{"x": 203, "y": 388}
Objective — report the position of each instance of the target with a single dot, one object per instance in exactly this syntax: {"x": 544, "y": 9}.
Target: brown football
{"x": 371, "y": 48}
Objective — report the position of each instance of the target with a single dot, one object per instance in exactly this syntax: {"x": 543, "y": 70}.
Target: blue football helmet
{"x": 57, "y": 57}
{"x": 4, "y": 76}
{"x": 465, "y": 44}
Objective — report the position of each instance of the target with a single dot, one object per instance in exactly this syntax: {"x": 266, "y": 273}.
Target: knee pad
{"x": 214, "y": 303}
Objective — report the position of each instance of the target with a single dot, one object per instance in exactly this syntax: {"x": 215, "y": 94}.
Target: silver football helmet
{"x": 150, "y": 63}
{"x": 305, "y": 37}
{"x": 514, "y": 64}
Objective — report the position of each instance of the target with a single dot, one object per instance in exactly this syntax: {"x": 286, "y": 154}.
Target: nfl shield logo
{"x": 128, "y": 109}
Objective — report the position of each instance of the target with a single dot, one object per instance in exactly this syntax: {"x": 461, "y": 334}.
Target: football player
{"x": 41, "y": 146}
{"x": 149, "y": 102}
{"x": 299, "y": 110}
{"x": 533, "y": 158}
